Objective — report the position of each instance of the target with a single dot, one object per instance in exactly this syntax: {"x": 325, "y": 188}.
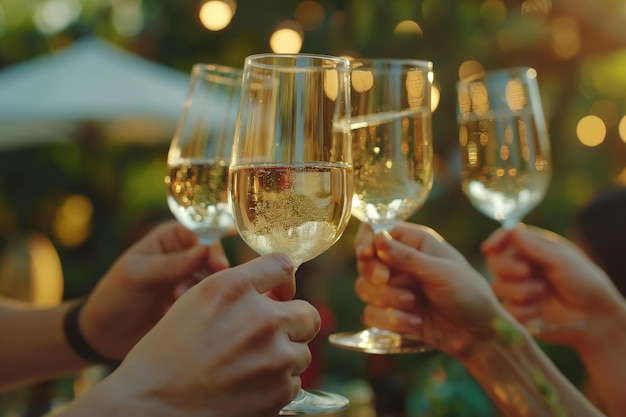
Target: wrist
{"x": 76, "y": 339}
{"x": 514, "y": 372}
{"x": 592, "y": 341}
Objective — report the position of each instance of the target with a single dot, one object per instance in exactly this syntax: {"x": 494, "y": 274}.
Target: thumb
{"x": 171, "y": 266}
{"x": 539, "y": 248}
{"x": 274, "y": 272}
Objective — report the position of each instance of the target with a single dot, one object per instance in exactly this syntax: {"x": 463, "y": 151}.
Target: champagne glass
{"x": 200, "y": 152}
{"x": 505, "y": 148}
{"x": 291, "y": 171}
{"x": 392, "y": 154}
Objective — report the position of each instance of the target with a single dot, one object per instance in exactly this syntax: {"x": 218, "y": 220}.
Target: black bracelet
{"x": 76, "y": 340}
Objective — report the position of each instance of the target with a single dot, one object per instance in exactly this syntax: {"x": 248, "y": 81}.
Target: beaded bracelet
{"x": 76, "y": 340}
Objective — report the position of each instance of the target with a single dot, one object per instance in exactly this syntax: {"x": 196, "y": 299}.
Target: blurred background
{"x": 90, "y": 91}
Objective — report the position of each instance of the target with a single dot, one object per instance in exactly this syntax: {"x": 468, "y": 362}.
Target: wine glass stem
{"x": 509, "y": 224}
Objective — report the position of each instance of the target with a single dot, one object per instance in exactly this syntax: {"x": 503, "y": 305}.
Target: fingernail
{"x": 380, "y": 275}
{"x": 406, "y": 299}
{"x": 415, "y": 321}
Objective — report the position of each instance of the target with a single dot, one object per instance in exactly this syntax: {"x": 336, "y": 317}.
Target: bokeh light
{"x": 287, "y": 37}
{"x": 72, "y": 221}
{"x": 215, "y": 15}
{"x": 52, "y": 16}
{"x": 565, "y": 38}
{"x": 408, "y": 27}
{"x": 591, "y": 131}
{"x": 127, "y": 17}
{"x": 310, "y": 14}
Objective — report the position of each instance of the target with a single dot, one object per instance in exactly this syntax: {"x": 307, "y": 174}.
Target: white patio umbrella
{"x": 91, "y": 82}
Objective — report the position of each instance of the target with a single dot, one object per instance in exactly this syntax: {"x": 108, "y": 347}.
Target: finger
{"x": 496, "y": 241}
{"x": 393, "y": 320}
{"x": 374, "y": 270}
{"x": 521, "y": 292}
{"x": 507, "y": 265}
{"x": 422, "y": 238}
{"x": 302, "y": 320}
{"x": 402, "y": 257}
{"x": 302, "y": 357}
{"x": 384, "y": 296}
{"x": 269, "y": 272}
{"x": 217, "y": 259}
{"x": 169, "y": 236}
{"x": 168, "y": 267}
{"x": 540, "y": 246}
{"x": 363, "y": 242}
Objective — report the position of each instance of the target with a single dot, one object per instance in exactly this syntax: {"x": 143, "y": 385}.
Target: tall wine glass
{"x": 505, "y": 148}
{"x": 291, "y": 172}
{"x": 200, "y": 152}
{"x": 505, "y": 151}
{"x": 393, "y": 164}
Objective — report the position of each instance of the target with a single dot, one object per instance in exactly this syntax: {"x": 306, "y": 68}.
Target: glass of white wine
{"x": 291, "y": 171}
{"x": 392, "y": 154}
{"x": 505, "y": 151}
{"x": 200, "y": 152}
{"x": 505, "y": 147}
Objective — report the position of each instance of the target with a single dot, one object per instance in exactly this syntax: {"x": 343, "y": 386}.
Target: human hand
{"x": 137, "y": 290}
{"x": 224, "y": 349}
{"x": 418, "y": 284}
{"x": 538, "y": 274}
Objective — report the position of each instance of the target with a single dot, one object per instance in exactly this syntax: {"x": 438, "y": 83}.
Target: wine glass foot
{"x": 378, "y": 341}
{"x": 309, "y": 403}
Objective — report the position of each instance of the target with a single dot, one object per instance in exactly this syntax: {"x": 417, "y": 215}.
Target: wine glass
{"x": 291, "y": 171}
{"x": 392, "y": 153}
{"x": 200, "y": 152}
{"x": 505, "y": 151}
{"x": 505, "y": 148}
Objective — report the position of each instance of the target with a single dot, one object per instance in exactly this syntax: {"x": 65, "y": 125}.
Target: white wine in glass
{"x": 201, "y": 150}
{"x": 505, "y": 148}
{"x": 291, "y": 171}
{"x": 392, "y": 153}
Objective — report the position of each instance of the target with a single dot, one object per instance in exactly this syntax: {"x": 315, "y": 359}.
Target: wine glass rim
{"x": 210, "y": 67}
{"x": 528, "y": 71}
{"x": 256, "y": 60}
{"x": 418, "y": 63}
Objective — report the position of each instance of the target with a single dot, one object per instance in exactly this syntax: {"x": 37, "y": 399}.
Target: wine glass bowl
{"x": 200, "y": 152}
{"x": 505, "y": 148}
{"x": 290, "y": 177}
{"x": 392, "y": 154}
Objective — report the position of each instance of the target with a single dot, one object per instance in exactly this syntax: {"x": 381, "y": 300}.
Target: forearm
{"x": 521, "y": 379}
{"x": 604, "y": 360}
{"x": 33, "y": 345}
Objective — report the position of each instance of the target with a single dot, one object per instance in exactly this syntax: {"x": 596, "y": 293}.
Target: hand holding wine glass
{"x": 505, "y": 151}
{"x": 200, "y": 152}
{"x": 291, "y": 170}
{"x": 393, "y": 163}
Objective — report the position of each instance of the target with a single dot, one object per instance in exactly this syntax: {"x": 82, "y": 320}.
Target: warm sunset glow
{"x": 591, "y": 131}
